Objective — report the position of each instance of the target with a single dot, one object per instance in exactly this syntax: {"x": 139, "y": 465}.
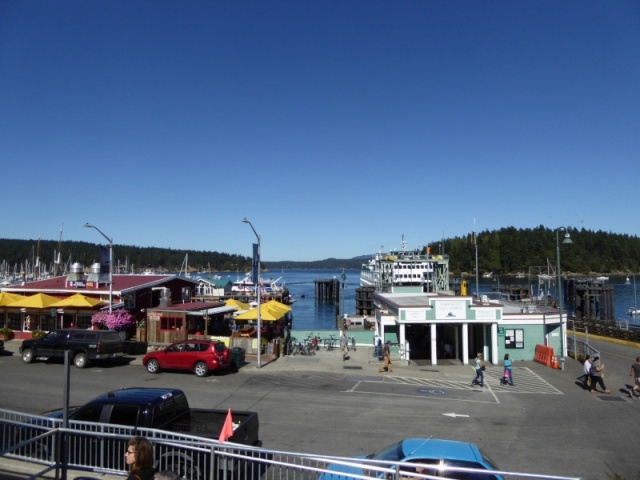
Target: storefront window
{"x": 129, "y": 300}
{"x": 170, "y": 323}
{"x": 47, "y": 323}
{"x": 14, "y": 321}
{"x": 83, "y": 321}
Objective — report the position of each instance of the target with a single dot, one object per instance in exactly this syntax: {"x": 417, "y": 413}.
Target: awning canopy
{"x": 265, "y": 315}
{"x": 212, "y": 311}
{"x": 277, "y": 307}
{"x": 6, "y": 298}
{"x": 39, "y": 300}
{"x": 77, "y": 301}
{"x": 232, "y": 302}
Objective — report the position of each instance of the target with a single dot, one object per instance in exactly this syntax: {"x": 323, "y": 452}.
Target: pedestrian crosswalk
{"x": 526, "y": 381}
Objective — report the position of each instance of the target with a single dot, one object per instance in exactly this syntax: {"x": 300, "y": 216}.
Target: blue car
{"x": 423, "y": 451}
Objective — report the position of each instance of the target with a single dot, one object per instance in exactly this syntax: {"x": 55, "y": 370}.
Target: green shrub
{"x": 7, "y": 333}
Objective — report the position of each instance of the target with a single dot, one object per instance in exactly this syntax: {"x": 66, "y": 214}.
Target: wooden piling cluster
{"x": 364, "y": 301}
{"x": 328, "y": 289}
{"x": 591, "y": 300}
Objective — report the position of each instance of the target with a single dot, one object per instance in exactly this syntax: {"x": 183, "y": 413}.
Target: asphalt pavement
{"x": 584, "y": 429}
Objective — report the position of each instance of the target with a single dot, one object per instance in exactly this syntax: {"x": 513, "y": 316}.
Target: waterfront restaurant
{"x": 444, "y": 328}
{"x": 135, "y": 293}
{"x": 171, "y": 323}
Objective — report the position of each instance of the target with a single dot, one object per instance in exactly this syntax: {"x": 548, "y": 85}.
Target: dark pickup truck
{"x": 165, "y": 409}
{"x": 84, "y": 345}
{"x": 168, "y": 409}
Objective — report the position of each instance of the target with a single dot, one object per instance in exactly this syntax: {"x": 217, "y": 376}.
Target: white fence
{"x": 99, "y": 448}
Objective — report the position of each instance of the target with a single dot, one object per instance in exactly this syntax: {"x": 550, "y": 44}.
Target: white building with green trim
{"x": 440, "y": 327}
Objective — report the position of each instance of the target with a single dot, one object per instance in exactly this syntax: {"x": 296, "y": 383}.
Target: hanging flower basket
{"x": 118, "y": 320}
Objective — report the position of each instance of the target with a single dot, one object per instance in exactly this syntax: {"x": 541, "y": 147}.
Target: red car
{"x": 199, "y": 356}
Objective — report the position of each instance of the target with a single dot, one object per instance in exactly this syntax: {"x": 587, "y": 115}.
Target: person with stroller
{"x": 507, "y": 377}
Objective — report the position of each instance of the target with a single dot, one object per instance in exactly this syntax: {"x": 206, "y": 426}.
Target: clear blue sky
{"x": 335, "y": 127}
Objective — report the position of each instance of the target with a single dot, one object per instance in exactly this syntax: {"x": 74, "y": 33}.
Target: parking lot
{"x": 323, "y": 405}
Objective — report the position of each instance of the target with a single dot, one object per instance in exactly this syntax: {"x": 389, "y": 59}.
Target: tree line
{"x": 504, "y": 251}
{"x": 510, "y": 250}
{"x": 129, "y": 259}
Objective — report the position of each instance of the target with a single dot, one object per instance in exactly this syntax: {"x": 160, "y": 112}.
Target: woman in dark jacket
{"x": 139, "y": 458}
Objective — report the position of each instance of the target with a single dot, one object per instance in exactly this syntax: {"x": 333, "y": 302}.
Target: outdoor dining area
{"x": 25, "y": 314}
{"x": 275, "y": 317}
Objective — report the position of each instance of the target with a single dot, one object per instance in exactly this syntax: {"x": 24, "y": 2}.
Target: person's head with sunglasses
{"x": 139, "y": 458}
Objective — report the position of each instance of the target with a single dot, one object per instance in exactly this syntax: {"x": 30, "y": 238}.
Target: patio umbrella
{"x": 77, "y": 301}
{"x": 265, "y": 315}
{"x": 277, "y": 307}
{"x": 38, "y": 301}
{"x": 232, "y": 302}
{"x": 6, "y": 298}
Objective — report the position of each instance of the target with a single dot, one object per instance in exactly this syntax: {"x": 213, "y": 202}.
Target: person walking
{"x": 377, "y": 346}
{"x": 479, "y": 380}
{"x": 139, "y": 459}
{"x": 586, "y": 373}
{"x": 597, "y": 369}
{"x": 635, "y": 374}
{"x": 507, "y": 377}
{"x": 344, "y": 344}
{"x": 386, "y": 358}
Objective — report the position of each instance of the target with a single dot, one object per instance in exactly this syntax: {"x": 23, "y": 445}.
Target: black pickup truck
{"x": 164, "y": 409}
{"x": 84, "y": 345}
{"x": 168, "y": 409}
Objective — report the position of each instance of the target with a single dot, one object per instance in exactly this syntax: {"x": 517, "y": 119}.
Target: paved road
{"x": 545, "y": 424}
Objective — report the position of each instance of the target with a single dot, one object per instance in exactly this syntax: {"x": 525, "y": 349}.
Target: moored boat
{"x": 406, "y": 269}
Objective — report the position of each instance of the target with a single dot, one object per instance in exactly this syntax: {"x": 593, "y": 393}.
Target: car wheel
{"x": 201, "y": 369}
{"x": 27, "y": 356}
{"x": 153, "y": 366}
{"x": 80, "y": 360}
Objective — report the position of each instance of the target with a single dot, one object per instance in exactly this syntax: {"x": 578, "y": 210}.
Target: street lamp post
{"x": 110, "y": 240}
{"x": 563, "y": 326}
{"x": 259, "y": 320}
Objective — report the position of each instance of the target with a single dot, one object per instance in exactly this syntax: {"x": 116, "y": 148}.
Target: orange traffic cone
{"x": 554, "y": 362}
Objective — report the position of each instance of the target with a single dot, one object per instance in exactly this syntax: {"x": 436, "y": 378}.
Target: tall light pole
{"x": 475, "y": 242}
{"x": 257, "y": 260}
{"x": 563, "y": 325}
{"x": 110, "y": 240}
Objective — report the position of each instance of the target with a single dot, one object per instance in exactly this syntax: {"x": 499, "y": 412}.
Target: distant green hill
{"x": 504, "y": 251}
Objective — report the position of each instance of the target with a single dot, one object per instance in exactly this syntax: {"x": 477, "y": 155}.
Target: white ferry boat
{"x": 407, "y": 270}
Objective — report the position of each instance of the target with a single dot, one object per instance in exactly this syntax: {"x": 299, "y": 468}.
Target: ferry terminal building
{"x": 443, "y": 327}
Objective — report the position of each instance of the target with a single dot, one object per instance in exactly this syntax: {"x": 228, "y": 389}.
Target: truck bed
{"x": 208, "y": 423}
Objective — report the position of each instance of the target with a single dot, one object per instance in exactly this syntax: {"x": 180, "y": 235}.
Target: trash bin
{"x": 237, "y": 357}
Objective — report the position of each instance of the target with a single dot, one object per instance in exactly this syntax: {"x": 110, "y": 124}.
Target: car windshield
{"x": 391, "y": 453}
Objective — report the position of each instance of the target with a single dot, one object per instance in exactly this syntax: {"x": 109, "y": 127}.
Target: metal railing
{"x": 99, "y": 448}
{"x": 582, "y": 348}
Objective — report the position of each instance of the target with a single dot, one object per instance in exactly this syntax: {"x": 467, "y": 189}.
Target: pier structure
{"x": 328, "y": 289}
{"x": 364, "y": 301}
{"x": 592, "y": 300}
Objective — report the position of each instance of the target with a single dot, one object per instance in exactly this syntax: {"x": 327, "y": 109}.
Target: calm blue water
{"x": 309, "y": 314}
